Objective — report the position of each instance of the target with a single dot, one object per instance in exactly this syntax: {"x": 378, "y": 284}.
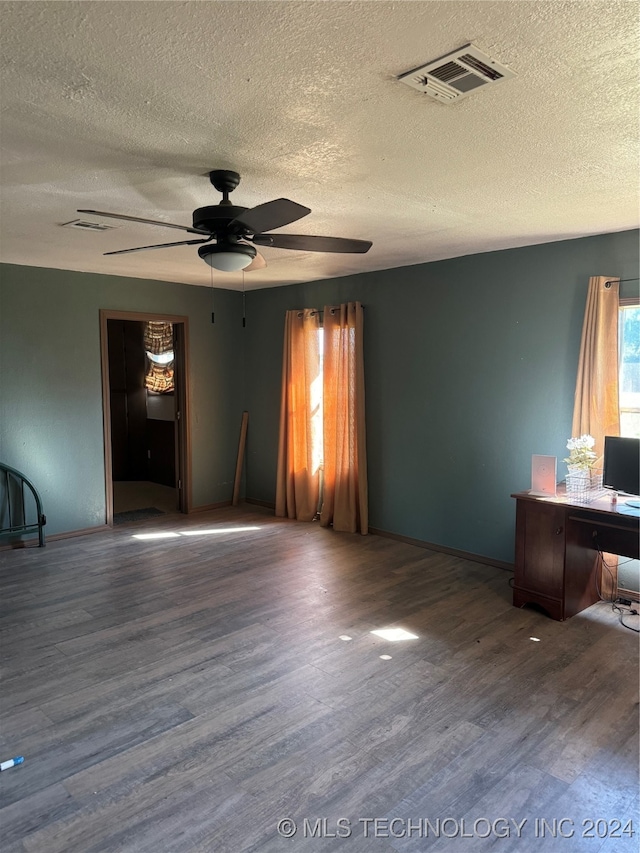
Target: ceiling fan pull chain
{"x": 213, "y": 299}
{"x": 244, "y": 304}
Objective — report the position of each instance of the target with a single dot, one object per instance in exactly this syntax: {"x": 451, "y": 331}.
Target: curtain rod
{"x": 621, "y": 280}
{"x": 320, "y": 311}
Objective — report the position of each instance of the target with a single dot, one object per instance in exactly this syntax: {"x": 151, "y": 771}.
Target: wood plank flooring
{"x": 140, "y": 494}
{"x": 188, "y": 693}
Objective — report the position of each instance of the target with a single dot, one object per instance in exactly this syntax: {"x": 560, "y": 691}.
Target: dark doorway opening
{"x": 145, "y": 412}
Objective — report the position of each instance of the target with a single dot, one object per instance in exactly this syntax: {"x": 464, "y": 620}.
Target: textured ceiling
{"x": 125, "y": 106}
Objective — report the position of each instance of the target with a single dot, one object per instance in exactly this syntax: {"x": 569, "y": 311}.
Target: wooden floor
{"x": 140, "y": 494}
{"x": 187, "y": 694}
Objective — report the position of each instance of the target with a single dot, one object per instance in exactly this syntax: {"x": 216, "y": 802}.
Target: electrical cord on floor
{"x": 615, "y": 606}
{"x": 622, "y": 613}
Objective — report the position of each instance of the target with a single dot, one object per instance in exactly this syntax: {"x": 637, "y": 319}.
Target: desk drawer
{"x": 619, "y": 536}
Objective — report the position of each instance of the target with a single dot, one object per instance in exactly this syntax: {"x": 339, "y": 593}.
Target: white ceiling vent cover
{"x": 456, "y": 75}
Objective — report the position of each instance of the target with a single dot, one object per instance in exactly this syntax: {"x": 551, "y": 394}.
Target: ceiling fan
{"x": 231, "y": 227}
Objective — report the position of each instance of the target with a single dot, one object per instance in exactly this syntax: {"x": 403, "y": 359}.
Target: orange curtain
{"x": 298, "y": 475}
{"x": 345, "y": 499}
{"x": 596, "y": 409}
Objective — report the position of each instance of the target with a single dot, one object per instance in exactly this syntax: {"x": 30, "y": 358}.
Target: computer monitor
{"x": 622, "y": 465}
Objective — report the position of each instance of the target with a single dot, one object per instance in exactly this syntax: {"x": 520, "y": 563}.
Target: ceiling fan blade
{"x": 308, "y": 243}
{"x": 258, "y": 263}
{"x": 146, "y": 221}
{"x": 158, "y": 246}
{"x": 272, "y": 214}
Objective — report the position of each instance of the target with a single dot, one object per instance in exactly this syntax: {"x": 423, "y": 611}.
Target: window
{"x": 321, "y": 446}
{"x": 629, "y": 365}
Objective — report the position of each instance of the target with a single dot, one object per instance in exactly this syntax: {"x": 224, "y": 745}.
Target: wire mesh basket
{"x": 585, "y": 486}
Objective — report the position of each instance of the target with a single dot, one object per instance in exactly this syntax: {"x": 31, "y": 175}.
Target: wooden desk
{"x": 557, "y": 546}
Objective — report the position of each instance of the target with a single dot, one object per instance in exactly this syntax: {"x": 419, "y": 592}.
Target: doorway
{"x": 146, "y": 413}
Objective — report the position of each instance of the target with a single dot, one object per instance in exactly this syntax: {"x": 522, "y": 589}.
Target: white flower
{"x": 581, "y": 455}
{"x": 584, "y": 442}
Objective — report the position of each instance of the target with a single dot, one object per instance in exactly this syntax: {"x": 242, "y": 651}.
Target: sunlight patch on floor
{"x": 217, "y": 530}
{"x": 394, "y": 634}
{"x": 156, "y": 535}
{"x": 207, "y": 532}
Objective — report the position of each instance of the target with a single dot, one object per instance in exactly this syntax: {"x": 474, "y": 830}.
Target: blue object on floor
{"x": 5, "y": 765}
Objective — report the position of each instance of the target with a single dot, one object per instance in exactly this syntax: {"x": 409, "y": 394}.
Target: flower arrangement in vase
{"x": 584, "y": 481}
{"x": 581, "y": 454}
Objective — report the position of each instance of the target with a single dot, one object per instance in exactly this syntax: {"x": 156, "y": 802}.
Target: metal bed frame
{"x": 13, "y": 507}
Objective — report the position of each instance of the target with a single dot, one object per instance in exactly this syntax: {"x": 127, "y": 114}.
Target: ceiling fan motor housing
{"x": 215, "y": 219}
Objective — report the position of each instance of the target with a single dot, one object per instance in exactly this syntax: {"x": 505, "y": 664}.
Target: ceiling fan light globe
{"x": 227, "y": 258}
{"x": 228, "y": 261}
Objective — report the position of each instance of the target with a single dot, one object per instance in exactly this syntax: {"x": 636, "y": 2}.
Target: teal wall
{"x": 51, "y": 393}
{"x": 470, "y": 368}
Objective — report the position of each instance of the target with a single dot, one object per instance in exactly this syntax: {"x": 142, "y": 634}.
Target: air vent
{"x": 456, "y": 75}
{"x": 85, "y": 225}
